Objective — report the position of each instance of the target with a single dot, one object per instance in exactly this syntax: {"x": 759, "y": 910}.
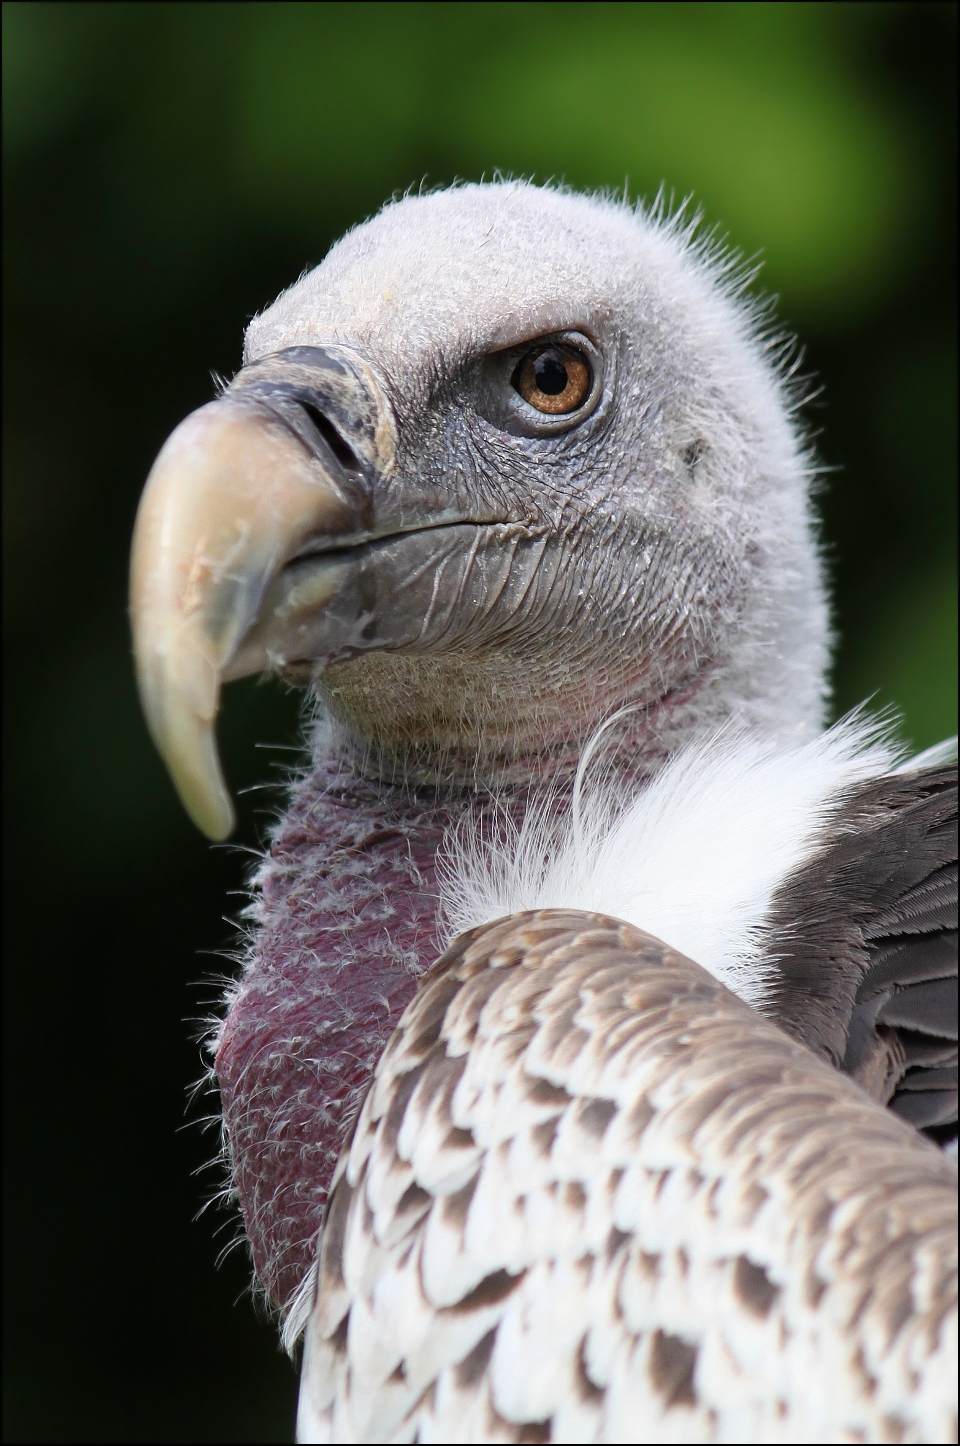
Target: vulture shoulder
{"x": 593, "y": 1195}
{"x": 864, "y": 936}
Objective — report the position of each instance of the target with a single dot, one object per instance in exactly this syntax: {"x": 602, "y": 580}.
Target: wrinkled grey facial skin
{"x": 573, "y": 596}
{"x": 530, "y": 577}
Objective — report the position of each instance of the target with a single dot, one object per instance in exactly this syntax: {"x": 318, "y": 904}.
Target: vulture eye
{"x": 542, "y": 387}
{"x": 554, "y": 379}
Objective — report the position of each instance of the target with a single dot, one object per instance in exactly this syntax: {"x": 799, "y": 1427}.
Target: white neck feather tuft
{"x": 693, "y": 857}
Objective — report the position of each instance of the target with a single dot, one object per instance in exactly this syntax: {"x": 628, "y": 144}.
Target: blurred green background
{"x": 167, "y": 170}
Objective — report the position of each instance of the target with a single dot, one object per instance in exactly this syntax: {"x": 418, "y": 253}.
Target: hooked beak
{"x": 282, "y": 467}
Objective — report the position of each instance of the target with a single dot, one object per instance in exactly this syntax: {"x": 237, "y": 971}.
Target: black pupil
{"x": 550, "y": 374}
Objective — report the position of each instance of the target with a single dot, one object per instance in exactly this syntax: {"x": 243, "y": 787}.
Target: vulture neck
{"x": 346, "y": 904}
{"x": 346, "y": 909}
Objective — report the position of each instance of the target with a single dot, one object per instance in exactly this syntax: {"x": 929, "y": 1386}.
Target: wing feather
{"x": 593, "y": 1196}
{"x": 863, "y": 942}
{"x": 931, "y": 904}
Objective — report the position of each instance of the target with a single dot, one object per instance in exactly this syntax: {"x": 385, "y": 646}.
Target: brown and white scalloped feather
{"x": 593, "y": 1196}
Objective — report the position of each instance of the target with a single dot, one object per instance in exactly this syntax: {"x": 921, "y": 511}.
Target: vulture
{"x": 591, "y": 1068}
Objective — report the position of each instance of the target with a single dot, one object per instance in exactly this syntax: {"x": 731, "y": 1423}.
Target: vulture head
{"x": 510, "y": 464}
{"x": 510, "y": 459}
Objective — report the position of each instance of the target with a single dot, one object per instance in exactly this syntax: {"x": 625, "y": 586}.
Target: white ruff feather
{"x": 694, "y": 857}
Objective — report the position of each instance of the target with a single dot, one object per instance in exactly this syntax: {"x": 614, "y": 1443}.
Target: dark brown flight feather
{"x": 864, "y": 938}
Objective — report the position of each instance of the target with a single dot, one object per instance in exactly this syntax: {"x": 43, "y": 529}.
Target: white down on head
{"x": 436, "y": 280}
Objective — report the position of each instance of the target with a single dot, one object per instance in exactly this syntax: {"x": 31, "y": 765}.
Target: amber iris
{"x": 554, "y": 380}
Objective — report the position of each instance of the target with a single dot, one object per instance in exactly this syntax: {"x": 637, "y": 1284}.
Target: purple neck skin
{"x": 347, "y": 918}
{"x": 346, "y": 923}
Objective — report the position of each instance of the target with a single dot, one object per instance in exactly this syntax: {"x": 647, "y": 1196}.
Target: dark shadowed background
{"x": 167, "y": 170}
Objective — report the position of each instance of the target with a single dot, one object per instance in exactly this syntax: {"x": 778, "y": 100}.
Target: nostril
{"x": 344, "y": 454}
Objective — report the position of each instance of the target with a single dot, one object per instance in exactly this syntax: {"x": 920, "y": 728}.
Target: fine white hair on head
{"x": 693, "y": 857}
{"x": 437, "y": 279}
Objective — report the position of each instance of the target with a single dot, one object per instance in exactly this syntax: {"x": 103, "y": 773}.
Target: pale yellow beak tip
{"x": 182, "y": 723}
{"x": 194, "y": 766}
{"x": 213, "y": 816}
